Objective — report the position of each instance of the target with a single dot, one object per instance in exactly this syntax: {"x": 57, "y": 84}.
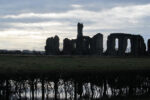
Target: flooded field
{"x": 74, "y": 78}
{"x": 73, "y": 86}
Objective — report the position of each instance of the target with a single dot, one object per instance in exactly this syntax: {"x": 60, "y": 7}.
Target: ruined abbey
{"x": 85, "y": 45}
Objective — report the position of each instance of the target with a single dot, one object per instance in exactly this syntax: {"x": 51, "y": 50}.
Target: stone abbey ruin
{"x": 85, "y": 45}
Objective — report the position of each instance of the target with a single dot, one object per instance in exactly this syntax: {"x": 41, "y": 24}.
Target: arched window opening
{"x": 74, "y": 45}
{"x": 116, "y": 44}
{"x": 128, "y": 49}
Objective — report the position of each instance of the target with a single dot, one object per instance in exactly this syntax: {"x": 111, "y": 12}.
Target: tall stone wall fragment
{"x": 52, "y": 46}
{"x": 96, "y": 45}
{"x": 68, "y": 46}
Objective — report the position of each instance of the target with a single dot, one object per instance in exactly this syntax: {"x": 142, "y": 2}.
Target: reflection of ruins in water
{"x": 91, "y": 87}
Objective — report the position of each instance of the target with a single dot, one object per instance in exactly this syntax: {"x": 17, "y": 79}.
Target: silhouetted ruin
{"x": 137, "y": 44}
{"x": 68, "y": 46}
{"x": 52, "y": 46}
{"x": 97, "y": 44}
{"x": 85, "y": 45}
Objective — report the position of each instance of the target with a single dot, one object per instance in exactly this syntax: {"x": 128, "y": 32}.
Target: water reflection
{"x": 73, "y": 88}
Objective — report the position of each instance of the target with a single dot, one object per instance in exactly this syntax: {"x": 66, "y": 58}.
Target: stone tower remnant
{"x": 83, "y": 45}
{"x": 80, "y": 30}
{"x": 52, "y": 46}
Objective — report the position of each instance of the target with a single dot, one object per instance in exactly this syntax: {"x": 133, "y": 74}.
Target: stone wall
{"x": 82, "y": 45}
{"x": 68, "y": 46}
{"x": 137, "y": 44}
{"x": 96, "y": 44}
{"x": 85, "y": 45}
{"x": 52, "y": 46}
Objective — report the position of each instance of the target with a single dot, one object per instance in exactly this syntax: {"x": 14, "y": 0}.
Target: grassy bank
{"x": 11, "y": 64}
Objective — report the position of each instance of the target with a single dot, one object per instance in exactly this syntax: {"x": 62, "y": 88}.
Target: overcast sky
{"x": 25, "y": 24}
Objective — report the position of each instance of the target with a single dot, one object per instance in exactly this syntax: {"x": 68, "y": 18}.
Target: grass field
{"x": 11, "y": 64}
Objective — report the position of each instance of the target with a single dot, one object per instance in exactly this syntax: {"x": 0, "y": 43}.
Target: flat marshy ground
{"x": 19, "y": 64}
{"x": 130, "y": 73}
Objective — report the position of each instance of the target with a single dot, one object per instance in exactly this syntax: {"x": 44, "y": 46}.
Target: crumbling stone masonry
{"x": 96, "y": 44}
{"x": 68, "y": 46}
{"x": 80, "y": 30}
{"x": 85, "y": 45}
{"x": 137, "y": 44}
{"x": 82, "y": 42}
{"x": 52, "y": 46}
